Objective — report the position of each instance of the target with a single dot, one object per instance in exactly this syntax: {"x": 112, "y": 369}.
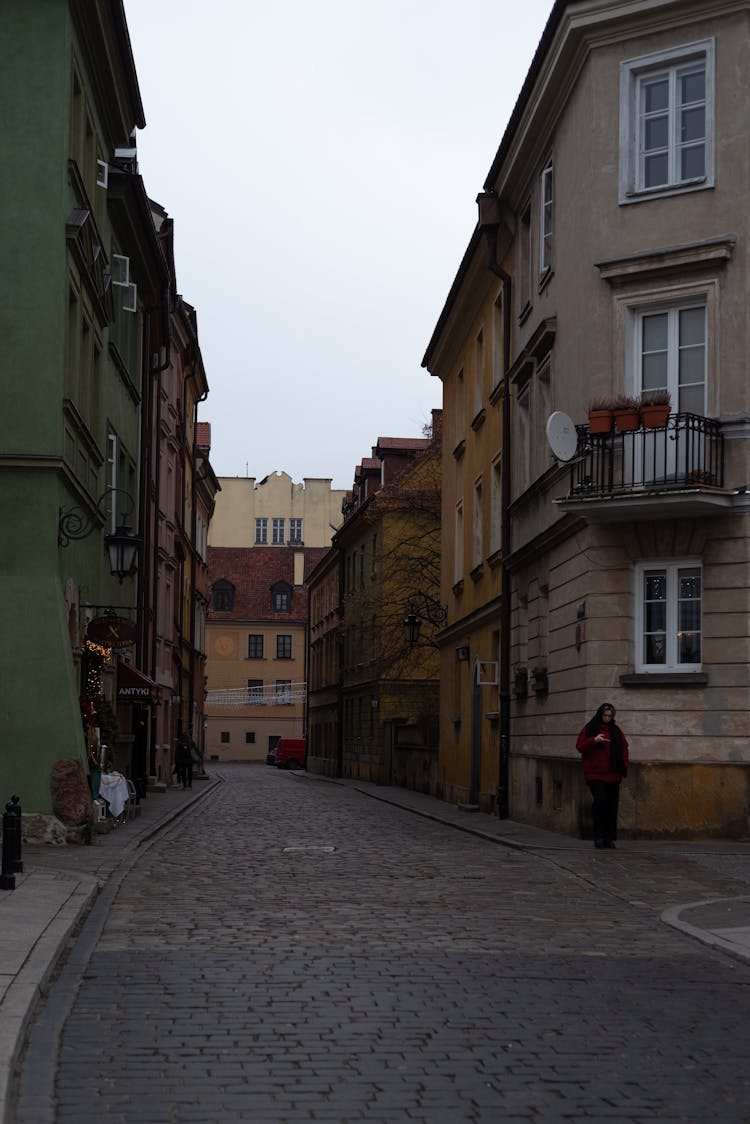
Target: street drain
{"x": 310, "y": 849}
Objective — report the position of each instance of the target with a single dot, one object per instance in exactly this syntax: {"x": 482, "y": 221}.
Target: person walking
{"x": 183, "y": 760}
{"x": 604, "y": 750}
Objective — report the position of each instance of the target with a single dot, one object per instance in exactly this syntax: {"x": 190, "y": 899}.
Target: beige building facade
{"x": 275, "y": 511}
{"x": 619, "y": 192}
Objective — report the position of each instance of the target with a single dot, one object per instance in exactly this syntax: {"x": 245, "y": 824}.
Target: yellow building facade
{"x": 467, "y": 353}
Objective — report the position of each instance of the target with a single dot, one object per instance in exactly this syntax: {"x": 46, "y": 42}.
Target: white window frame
{"x": 278, "y": 529}
{"x": 632, "y": 73}
{"x": 261, "y": 531}
{"x": 111, "y": 470}
{"x": 295, "y": 530}
{"x": 672, "y": 308}
{"x": 671, "y": 665}
{"x": 546, "y": 204}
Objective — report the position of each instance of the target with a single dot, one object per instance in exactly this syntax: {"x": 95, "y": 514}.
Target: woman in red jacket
{"x": 604, "y": 750}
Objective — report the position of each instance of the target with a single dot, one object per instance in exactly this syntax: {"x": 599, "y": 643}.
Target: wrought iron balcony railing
{"x": 688, "y": 453}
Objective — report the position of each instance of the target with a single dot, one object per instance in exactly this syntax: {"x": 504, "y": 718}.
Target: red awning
{"x": 134, "y": 686}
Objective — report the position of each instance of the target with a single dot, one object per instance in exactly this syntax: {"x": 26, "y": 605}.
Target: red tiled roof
{"x": 203, "y": 434}
{"x": 252, "y": 571}
{"x": 404, "y": 444}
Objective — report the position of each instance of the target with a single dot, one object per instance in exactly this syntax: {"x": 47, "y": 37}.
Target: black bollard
{"x": 15, "y": 807}
{"x": 7, "y": 877}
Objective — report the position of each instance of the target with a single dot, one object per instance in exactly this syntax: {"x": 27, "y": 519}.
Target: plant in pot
{"x": 600, "y": 415}
{"x": 655, "y": 408}
{"x": 627, "y": 414}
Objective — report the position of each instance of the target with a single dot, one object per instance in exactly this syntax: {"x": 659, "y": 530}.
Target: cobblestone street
{"x": 290, "y": 950}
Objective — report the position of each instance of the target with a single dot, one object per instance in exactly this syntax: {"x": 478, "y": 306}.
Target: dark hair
{"x": 616, "y": 747}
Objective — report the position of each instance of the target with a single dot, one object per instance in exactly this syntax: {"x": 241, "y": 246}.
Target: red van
{"x": 290, "y": 753}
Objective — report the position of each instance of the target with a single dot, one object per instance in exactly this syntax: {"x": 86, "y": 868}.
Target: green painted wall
{"x": 39, "y": 711}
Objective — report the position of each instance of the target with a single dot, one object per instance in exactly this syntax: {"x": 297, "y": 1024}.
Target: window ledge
{"x": 496, "y": 393}
{"x": 545, "y": 279}
{"x": 478, "y": 419}
{"x": 525, "y": 312}
{"x": 712, "y": 251}
{"x": 458, "y": 588}
{"x": 477, "y": 572}
{"x": 643, "y": 194}
{"x": 665, "y": 679}
{"x": 494, "y": 559}
{"x": 460, "y": 449}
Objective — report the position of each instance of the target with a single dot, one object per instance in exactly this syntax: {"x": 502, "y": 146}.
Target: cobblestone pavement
{"x": 294, "y": 951}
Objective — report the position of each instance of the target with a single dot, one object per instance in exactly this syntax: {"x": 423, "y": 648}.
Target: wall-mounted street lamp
{"x": 122, "y": 546}
{"x": 412, "y": 626}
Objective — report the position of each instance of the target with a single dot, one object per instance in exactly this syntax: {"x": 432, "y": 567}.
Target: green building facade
{"x": 81, "y": 264}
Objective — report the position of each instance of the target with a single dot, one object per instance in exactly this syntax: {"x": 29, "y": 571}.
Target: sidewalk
{"x": 60, "y": 884}
{"x": 52, "y": 896}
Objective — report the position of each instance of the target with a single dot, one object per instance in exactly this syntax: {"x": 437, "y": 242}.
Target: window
{"x": 249, "y": 737}
{"x": 295, "y": 530}
{"x": 545, "y": 222}
{"x": 524, "y": 266}
{"x": 277, "y": 531}
{"x": 458, "y": 546}
{"x": 283, "y": 647}
{"x": 498, "y": 335}
{"x": 496, "y": 502}
{"x": 668, "y": 617}
{"x": 477, "y": 538}
{"x": 284, "y": 691}
{"x": 255, "y": 646}
{"x": 255, "y": 690}
{"x": 671, "y": 355}
{"x": 666, "y": 115}
{"x": 478, "y": 373}
{"x": 222, "y": 596}
{"x": 225, "y": 737}
{"x": 280, "y": 603}
{"x": 261, "y": 530}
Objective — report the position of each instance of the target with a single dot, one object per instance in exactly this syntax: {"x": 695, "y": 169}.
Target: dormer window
{"x": 222, "y": 596}
{"x": 281, "y": 597}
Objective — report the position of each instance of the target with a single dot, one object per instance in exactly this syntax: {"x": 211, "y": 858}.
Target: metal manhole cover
{"x": 310, "y": 849}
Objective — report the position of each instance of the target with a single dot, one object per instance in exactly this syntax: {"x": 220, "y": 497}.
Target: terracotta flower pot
{"x": 655, "y": 417}
{"x": 627, "y": 420}
{"x": 600, "y": 421}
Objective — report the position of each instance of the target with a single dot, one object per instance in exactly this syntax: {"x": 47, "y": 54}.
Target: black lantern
{"x": 412, "y": 625}
{"x": 122, "y": 548}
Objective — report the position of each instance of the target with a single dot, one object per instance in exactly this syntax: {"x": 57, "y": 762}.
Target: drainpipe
{"x": 489, "y": 223}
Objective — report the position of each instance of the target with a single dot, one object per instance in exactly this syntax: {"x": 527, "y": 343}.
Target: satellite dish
{"x": 562, "y": 435}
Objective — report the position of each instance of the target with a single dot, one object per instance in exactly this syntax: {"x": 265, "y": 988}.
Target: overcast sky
{"x": 321, "y": 161}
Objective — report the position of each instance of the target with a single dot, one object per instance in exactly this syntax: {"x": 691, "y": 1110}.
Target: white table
{"x": 114, "y": 789}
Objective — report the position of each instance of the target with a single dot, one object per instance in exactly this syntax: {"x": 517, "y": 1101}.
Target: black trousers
{"x": 606, "y": 796}
{"x": 185, "y": 774}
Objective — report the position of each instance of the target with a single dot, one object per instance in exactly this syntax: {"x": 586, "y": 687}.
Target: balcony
{"x": 649, "y": 473}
